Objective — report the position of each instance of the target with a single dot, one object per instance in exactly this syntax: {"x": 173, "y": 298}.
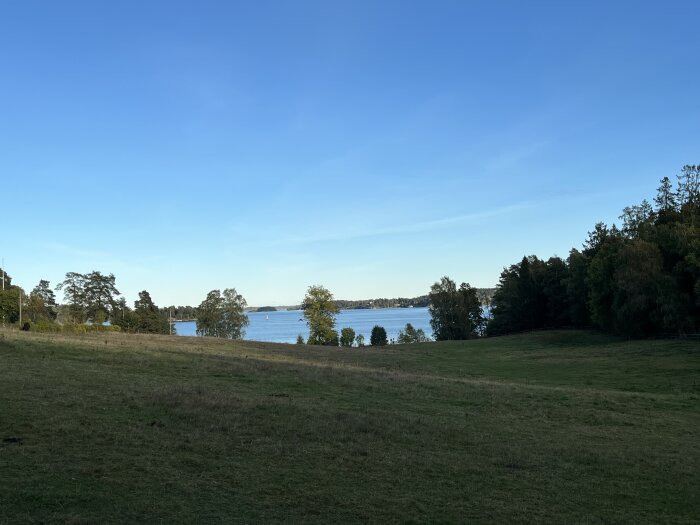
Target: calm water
{"x": 285, "y": 326}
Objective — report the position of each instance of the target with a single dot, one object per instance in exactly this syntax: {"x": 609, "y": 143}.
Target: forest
{"x": 638, "y": 279}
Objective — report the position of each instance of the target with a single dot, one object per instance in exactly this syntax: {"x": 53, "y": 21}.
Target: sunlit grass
{"x": 555, "y": 426}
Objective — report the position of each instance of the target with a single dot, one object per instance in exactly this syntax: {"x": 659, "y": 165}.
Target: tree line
{"x": 383, "y": 302}
{"x": 638, "y": 279}
{"x": 422, "y": 301}
{"x": 93, "y": 299}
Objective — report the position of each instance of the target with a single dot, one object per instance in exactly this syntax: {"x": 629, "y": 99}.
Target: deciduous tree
{"x": 222, "y": 315}
{"x": 320, "y": 311}
{"x": 9, "y": 303}
{"x": 347, "y": 337}
{"x": 455, "y": 313}
{"x": 409, "y": 335}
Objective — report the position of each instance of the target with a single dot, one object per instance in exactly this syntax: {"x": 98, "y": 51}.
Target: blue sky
{"x": 371, "y": 147}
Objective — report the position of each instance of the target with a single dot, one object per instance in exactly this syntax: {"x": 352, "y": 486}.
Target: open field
{"x": 547, "y": 427}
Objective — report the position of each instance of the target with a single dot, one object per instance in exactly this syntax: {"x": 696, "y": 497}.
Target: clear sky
{"x": 369, "y": 146}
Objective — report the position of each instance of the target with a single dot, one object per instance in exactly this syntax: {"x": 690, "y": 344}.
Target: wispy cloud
{"x": 416, "y": 227}
{"x": 104, "y": 260}
{"x": 517, "y": 155}
{"x": 74, "y": 251}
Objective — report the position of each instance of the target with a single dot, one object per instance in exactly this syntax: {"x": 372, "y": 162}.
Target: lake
{"x": 285, "y": 326}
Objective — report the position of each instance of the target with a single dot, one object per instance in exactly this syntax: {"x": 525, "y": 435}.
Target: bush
{"x": 410, "y": 335}
{"x": 80, "y": 329}
{"x": 326, "y": 337}
{"x": 46, "y": 327}
{"x": 49, "y": 327}
{"x": 378, "y": 337}
{"x": 347, "y": 337}
{"x": 332, "y": 339}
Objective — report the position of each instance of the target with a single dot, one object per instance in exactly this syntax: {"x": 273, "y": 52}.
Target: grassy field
{"x": 566, "y": 427}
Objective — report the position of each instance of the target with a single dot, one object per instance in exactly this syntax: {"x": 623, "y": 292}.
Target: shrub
{"x": 410, "y": 335}
{"x": 378, "y": 337}
{"x": 79, "y": 329}
{"x": 326, "y": 336}
{"x": 347, "y": 337}
{"x": 46, "y": 327}
{"x": 332, "y": 339}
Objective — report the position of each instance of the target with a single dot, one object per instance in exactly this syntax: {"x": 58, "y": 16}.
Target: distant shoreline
{"x": 484, "y": 295}
{"x": 254, "y": 310}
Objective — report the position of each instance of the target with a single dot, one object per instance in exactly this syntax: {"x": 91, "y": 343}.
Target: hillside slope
{"x": 552, "y": 426}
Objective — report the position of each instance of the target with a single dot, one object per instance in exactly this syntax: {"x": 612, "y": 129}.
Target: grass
{"x": 566, "y": 427}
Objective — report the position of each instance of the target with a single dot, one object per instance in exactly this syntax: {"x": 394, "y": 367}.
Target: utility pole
{"x": 3, "y": 273}
{"x": 20, "y": 308}
{"x": 171, "y": 321}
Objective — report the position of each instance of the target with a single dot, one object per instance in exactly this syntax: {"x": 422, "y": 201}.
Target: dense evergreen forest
{"x": 639, "y": 279}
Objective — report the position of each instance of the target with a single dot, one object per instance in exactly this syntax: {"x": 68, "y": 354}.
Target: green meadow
{"x": 560, "y": 426}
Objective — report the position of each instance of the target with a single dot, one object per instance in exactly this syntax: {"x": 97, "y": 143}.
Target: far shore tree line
{"x": 455, "y": 313}
{"x": 639, "y": 279}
